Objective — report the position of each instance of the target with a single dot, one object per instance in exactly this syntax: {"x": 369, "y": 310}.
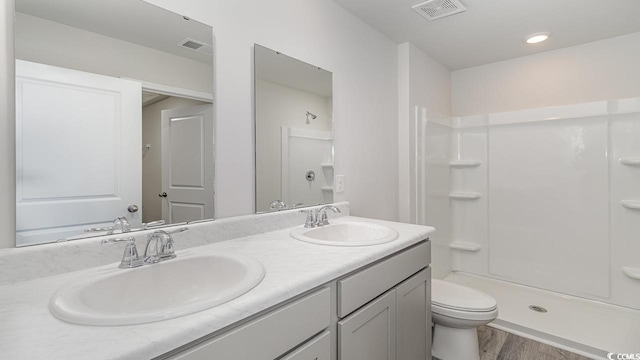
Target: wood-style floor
{"x": 500, "y": 345}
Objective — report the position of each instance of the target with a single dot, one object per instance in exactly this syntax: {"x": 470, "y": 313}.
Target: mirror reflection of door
{"x": 79, "y": 147}
{"x": 77, "y": 157}
{"x": 187, "y": 148}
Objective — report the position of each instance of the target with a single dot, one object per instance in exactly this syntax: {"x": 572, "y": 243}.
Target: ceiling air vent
{"x": 196, "y": 45}
{"x": 436, "y": 9}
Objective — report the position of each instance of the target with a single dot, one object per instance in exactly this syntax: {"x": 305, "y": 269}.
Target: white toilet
{"x": 457, "y": 313}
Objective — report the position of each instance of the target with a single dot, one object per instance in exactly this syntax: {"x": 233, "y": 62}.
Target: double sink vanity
{"x": 352, "y": 289}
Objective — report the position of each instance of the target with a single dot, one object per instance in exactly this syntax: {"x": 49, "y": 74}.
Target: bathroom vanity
{"x": 315, "y": 302}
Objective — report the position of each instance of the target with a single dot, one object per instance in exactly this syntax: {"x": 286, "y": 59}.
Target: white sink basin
{"x": 346, "y": 233}
{"x": 166, "y": 290}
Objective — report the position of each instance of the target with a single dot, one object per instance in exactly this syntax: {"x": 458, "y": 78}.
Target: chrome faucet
{"x": 160, "y": 246}
{"x": 322, "y": 214}
{"x": 281, "y": 205}
{"x": 121, "y": 220}
{"x": 319, "y": 217}
{"x": 277, "y": 205}
{"x": 124, "y": 225}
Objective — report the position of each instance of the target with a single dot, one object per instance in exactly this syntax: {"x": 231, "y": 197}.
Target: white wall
{"x": 52, "y": 43}
{"x": 424, "y": 108}
{"x": 423, "y": 83}
{"x": 600, "y": 70}
{"x": 7, "y": 129}
{"x": 319, "y": 32}
{"x": 152, "y": 158}
{"x": 278, "y": 106}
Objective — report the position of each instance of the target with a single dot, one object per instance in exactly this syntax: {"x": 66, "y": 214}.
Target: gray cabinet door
{"x": 370, "y": 333}
{"x": 413, "y": 297}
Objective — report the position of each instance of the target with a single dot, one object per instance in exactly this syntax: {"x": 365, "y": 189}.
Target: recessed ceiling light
{"x": 537, "y": 37}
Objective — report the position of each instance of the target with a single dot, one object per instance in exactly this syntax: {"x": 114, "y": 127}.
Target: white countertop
{"x": 29, "y": 331}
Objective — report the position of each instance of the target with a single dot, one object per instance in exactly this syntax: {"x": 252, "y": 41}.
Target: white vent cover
{"x": 196, "y": 45}
{"x": 436, "y": 9}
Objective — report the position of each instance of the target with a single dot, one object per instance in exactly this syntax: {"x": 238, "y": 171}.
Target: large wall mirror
{"x": 114, "y": 120}
{"x": 293, "y": 132}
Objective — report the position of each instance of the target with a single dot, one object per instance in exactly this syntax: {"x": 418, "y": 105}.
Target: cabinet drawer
{"x": 318, "y": 348}
{"x": 270, "y": 335}
{"x": 358, "y": 289}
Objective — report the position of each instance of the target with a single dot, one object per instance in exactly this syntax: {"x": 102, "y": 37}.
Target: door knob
{"x": 132, "y": 208}
{"x": 163, "y": 194}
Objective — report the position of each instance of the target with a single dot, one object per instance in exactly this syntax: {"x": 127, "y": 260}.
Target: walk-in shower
{"x": 540, "y": 208}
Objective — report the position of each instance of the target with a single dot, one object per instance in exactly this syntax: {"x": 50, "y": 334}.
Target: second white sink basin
{"x": 346, "y": 233}
{"x": 166, "y": 290}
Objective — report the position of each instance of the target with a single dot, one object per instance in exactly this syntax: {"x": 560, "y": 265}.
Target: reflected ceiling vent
{"x": 196, "y": 45}
{"x": 436, "y": 9}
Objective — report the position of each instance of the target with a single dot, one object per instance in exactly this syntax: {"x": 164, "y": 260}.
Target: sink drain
{"x": 537, "y": 308}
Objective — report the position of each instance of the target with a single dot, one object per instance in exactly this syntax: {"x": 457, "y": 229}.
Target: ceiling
{"x": 133, "y": 21}
{"x": 275, "y": 67}
{"x": 493, "y": 30}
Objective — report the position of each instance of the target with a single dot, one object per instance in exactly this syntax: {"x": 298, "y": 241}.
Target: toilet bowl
{"x": 457, "y": 312}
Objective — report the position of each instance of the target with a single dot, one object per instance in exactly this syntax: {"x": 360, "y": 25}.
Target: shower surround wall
{"x": 546, "y": 197}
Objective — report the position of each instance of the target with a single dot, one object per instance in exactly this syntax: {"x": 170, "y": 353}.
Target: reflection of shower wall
{"x": 548, "y": 198}
{"x": 302, "y": 151}
{"x": 279, "y": 106}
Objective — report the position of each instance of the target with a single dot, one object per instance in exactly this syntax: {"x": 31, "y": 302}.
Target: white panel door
{"x": 78, "y": 152}
{"x": 187, "y": 164}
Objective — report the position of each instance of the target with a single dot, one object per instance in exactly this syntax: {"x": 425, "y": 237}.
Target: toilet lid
{"x": 454, "y": 296}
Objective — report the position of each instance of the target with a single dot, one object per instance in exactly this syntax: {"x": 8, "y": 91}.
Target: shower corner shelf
{"x": 465, "y": 246}
{"x": 631, "y": 204}
{"x": 458, "y": 195}
{"x": 326, "y": 188}
{"x": 630, "y": 161}
{"x": 328, "y": 165}
{"x": 464, "y": 163}
{"x": 633, "y": 273}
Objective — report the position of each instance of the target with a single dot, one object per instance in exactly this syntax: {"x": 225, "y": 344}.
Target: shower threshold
{"x": 585, "y": 327}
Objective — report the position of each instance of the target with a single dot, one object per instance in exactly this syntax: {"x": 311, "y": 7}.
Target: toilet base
{"x": 455, "y": 344}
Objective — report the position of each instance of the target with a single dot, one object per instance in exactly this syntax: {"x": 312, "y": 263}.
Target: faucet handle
{"x": 130, "y": 257}
{"x": 311, "y": 218}
{"x": 145, "y": 226}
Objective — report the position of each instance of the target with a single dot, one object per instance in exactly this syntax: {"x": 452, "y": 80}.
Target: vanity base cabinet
{"x": 385, "y": 309}
{"x": 394, "y": 326}
{"x": 271, "y": 335}
{"x": 378, "y": 312}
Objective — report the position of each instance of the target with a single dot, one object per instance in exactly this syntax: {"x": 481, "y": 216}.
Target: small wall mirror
{"x": 293, "y": 132}
{"x": 113, "y": 118}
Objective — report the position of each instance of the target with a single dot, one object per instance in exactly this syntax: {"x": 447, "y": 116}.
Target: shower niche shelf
{"x": 631, "y": 204}
{"x": 459, "y": 195}
{"x": 465, "y": 246}
{"x": 459, "y": 164}
{"x": 631, "y": 272}
{"x": 630, "y": 161}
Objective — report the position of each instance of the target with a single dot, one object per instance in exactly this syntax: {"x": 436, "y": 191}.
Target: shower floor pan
{"x": 585, "y": 327}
